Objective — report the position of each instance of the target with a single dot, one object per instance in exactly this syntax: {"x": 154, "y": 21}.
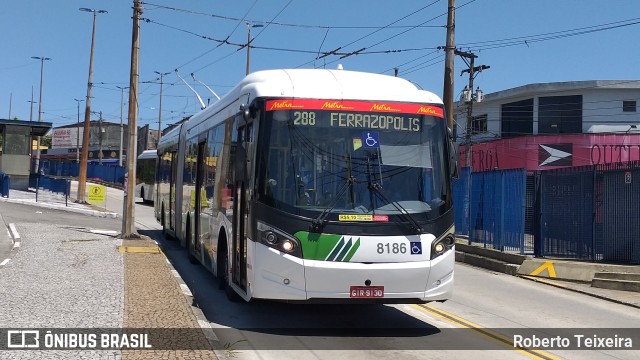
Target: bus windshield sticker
{"x": 363, "y": 217}
{"x": 357, "y": 143}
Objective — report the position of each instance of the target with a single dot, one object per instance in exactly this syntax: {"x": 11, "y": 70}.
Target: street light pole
{"x": 121, "y": 126}
{"x": 100, "y": 130}
{"x": 31, "y": 112}
{"x": 42, "y": 59}
{"x": 82, "y": 176}
{"x": 78, "y": 132}
{"x": 249, "y": 26}
{"x": 160, "y": 110}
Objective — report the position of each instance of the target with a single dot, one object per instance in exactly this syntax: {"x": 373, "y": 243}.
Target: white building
{"x": 597, "y": 106}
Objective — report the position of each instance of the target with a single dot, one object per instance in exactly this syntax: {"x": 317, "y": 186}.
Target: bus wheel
{"x": 164, "y": 226}
{"x": 232, "y": 295}
{"x": 192, "y": 259}
{"x": 221, "y": 263}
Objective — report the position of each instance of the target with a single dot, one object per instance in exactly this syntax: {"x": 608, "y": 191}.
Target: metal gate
{"x": 620, "y": 216}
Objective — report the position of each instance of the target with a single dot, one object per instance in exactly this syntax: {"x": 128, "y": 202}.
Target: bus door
{"x": 172, "y": 191}
{"x": 198, "y": 195}
{"x": 240, "y": 211}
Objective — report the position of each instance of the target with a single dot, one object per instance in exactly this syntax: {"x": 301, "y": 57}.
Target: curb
{"x": 15, "y": 239}
{"x": 204, "y": 324}
{"x": 64, "y": 208}
{"x": 561, "y": 286}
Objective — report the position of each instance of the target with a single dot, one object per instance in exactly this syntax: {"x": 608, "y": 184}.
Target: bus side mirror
{"x": 454, "y": 165}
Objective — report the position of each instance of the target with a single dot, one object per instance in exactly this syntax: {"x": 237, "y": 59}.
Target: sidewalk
{"x": 68, "y": 277}
{"x": 48, "y": 200}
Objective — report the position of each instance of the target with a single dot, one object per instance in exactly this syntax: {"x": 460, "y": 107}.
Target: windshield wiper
{"x": 318, "y": 223}
{"x": 376, "y": 189}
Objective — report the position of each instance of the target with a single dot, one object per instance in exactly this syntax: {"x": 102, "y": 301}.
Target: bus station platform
{"x": 613, "y": 282}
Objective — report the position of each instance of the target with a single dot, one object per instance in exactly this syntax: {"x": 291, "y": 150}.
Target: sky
{"x": 523, "y": 42}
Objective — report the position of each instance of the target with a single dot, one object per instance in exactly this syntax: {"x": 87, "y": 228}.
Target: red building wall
{"x": 544, "y": 152}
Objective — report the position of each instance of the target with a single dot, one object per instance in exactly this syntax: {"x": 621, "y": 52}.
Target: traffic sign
{"x": 97, "y": 194}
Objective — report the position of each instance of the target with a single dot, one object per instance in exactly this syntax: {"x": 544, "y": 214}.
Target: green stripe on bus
{"x": 352, "y": 251}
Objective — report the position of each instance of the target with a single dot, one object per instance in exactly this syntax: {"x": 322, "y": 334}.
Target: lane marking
{"x": 486, "y": 333}
{"x": 548, "y": 265}
{"x": 4, "y": 262}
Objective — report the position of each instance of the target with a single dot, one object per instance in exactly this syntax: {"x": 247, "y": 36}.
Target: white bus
{"x": 317, "y": 186}
{"x": 146, "y": 175}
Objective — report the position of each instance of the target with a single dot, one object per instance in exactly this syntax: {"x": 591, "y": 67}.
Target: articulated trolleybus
{"x": 315, "y": 185}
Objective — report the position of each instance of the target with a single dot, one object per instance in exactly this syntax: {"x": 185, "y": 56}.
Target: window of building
{"x": 479, "y": 124}
{"x": 16, "y": 140}
{"x": 560, "y": 114}
{"x": 517, "y": 118}
{"x": 629, "y": 106}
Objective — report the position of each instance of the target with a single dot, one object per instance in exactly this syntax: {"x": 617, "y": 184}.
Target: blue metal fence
{"x": 105, "y": 172}
{"x": 496, "y": 208}
{"x": 461, "y": 202}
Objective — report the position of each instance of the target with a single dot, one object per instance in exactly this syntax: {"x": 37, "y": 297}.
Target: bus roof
{"x": 316, "y": 84}
{"x": 171, "y": 138}
{"x": 148, "y": 154}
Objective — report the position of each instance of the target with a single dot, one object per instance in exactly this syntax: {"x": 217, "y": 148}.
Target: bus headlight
{"x": 278, "y": 239}
{"x": 442, "y": 245}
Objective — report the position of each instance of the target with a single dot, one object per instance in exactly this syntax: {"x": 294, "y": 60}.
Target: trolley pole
{"x": 128, "y": 213}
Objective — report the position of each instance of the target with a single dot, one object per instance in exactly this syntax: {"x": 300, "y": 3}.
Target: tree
{"x": 46, "y": 141}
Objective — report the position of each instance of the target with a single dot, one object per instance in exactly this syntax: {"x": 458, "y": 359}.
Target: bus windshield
{"x": 355, "y": 162}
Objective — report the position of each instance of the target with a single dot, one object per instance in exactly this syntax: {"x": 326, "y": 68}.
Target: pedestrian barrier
{"x": 5, "y": 181}
{"x": 60, "y": 186}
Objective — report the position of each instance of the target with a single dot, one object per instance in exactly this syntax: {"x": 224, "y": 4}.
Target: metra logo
{"x": 283, "y": 105}
{"x": 430, "y": 110}
{"x": 334, "y": 105}
{"x": 382, "y": 107}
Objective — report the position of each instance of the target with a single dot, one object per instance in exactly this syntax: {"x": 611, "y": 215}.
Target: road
{"x": 487, "y": 309}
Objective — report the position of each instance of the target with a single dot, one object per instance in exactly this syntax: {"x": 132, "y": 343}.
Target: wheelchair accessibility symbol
{"x": 416, "y": 247}
{"x": 370, "y": 139}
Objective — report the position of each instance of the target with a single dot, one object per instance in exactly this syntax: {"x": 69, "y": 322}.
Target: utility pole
{"x": 469, "y": 97}
{"x": 84, "y": 158}
{"x": 128, "y": 211}
{"x": 449, "y": 64}
{"x": 160, "y": 109}
{"x": 78, "y": 132}
{"x": 100, "y": 139}
{"x": 42, "y": 59}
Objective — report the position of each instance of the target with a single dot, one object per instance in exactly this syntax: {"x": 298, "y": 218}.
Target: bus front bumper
{"x": 282, "y": 277}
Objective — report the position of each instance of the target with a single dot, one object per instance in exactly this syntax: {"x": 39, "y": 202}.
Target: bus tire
{"x": 220, "y": 262}
{"x": 192, "y": 259}
{"x": 232, "y": 295}
{"x": 162, "y": 221}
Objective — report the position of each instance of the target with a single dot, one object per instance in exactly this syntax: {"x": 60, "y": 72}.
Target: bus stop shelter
{"x": 15, "y": 149}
